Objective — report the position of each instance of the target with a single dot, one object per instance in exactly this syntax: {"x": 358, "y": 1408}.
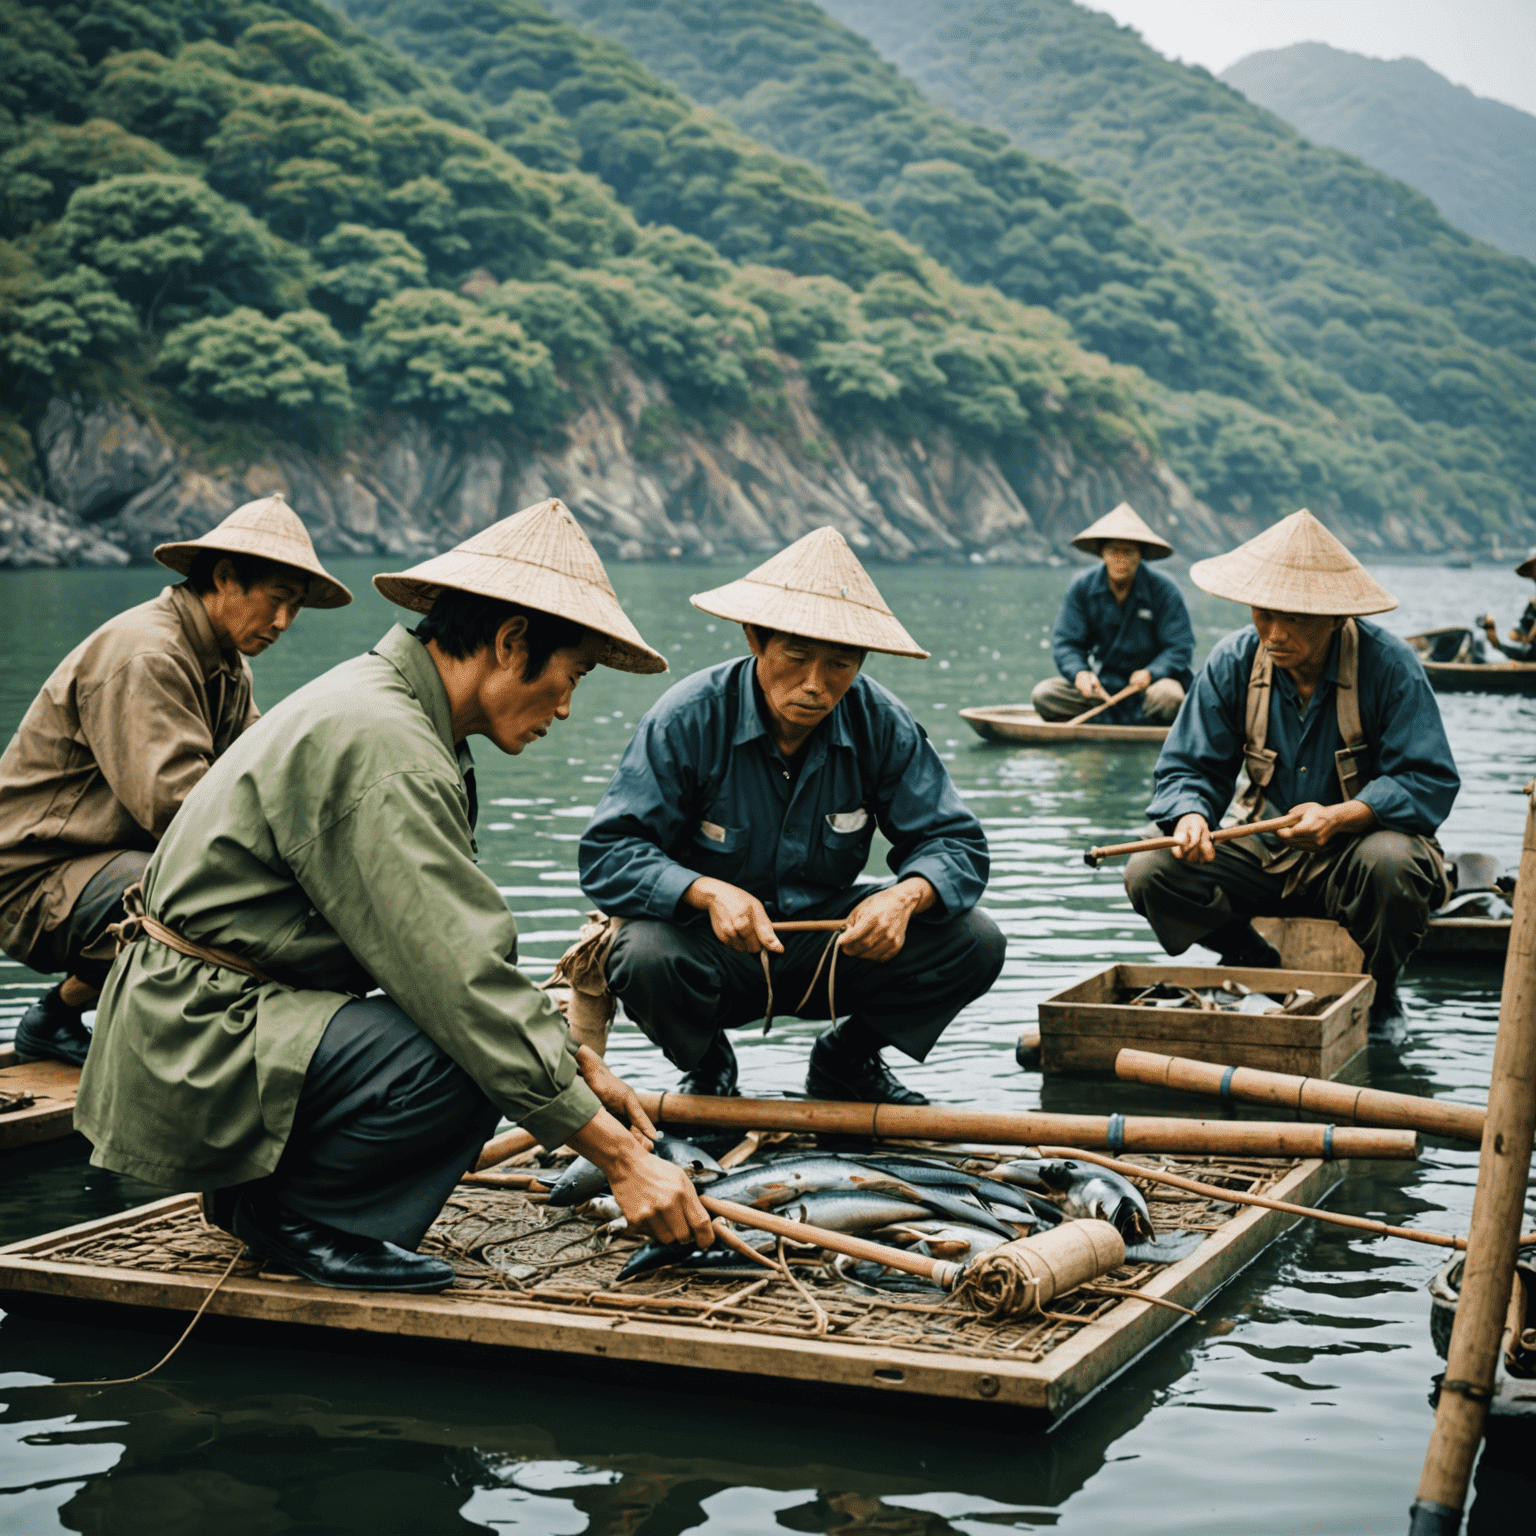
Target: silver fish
{"x": 1084, "y": 1189}
{"x": 861, "y": 1212}
{"x": 945, "y": 1239}
{"x": 773, "y": 1184}
{"x": 584, "y": 1180}
{"x": 718, "y": 1259}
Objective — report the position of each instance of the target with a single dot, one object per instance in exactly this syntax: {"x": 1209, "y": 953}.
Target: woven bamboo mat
{"x": 509, "y": 1248}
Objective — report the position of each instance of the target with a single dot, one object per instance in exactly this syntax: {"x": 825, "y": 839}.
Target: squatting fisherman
{"x": 1521, "y": 645}
{"x": 1333, "y": 718}
{"x": 1120, "y": 623}
{"x": 129, "y": 721}
{"x": 241, "y": 1046}
{"x": 750, "y": 794}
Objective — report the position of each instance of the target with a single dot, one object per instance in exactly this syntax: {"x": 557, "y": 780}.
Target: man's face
{"x": 1121, "y": 559}
{"x": 1295, "y": 641}
{"x": 250, "y": 620}
{"x": 518, "y": 712}
{"x": 802, "y": 680}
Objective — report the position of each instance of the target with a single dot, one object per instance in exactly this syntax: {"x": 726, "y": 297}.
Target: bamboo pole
{"x": 1503, "y": 1171}
{"x": 1095, "y": 856}
{"x": 813, "y": 925}
{"x": 941, "y": 1271}
{"x": 1114, "y": 1133}
{"x": 1109, "y": 703}
{"x": 1317, "y": 1096}
{"x": 499, "y": 1148}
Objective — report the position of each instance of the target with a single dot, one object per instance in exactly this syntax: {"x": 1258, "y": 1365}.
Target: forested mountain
{"x": 270, "y": 232}
{"x": 1417, "y": 335}
{"x": 1475, "y": 158}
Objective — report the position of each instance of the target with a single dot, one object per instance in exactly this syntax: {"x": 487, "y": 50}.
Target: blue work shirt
{"x": 702, "y": 790}
{"x": 1150, "y": 631}
{"x": 1413, "y": 778}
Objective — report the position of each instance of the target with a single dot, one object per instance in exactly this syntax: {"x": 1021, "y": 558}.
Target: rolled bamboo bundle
{"x": 1317, "y": 1096}
{"x": 1111, "y": 1133}
{"x": 1027, "y": 1275}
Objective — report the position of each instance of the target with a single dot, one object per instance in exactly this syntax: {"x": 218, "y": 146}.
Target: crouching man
{"x": 749, "y": 795}
{"x": 241, "y": 1045}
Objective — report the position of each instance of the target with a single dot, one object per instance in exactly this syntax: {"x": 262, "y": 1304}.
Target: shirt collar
{"x": 411, "y": 660}
{"x": 211, "y": 656}
{"x": 752, "y": 720}
{"x": 1101, "y": 581}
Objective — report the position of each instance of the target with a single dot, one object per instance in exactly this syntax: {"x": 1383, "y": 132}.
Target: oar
{"x": 1094, "y": 856}
{"x": 1098, "y": 709}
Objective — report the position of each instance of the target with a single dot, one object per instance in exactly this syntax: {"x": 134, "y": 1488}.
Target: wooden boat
{"x": 37, "y": 1102}
{"x": 1514, "y": 1388}
{"x": 676, "y": 1324}
{"x": 1461, "y": 674}
{"x": 1316, "y": 944}
{"x": 1019, "y": 722}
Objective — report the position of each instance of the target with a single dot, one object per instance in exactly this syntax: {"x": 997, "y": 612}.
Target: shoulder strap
{"x": 1258, "y": 760}
{"x": 1351, "y": 760}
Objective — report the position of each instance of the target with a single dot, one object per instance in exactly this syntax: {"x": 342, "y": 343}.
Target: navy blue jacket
{"x": 702, "y": 790}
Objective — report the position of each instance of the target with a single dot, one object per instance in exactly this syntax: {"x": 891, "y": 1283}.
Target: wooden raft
{"x": 51, "y": 1085}
{"x": 558, "y": 1296}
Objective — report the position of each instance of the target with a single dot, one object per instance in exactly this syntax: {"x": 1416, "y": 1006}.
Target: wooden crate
{"x": 1082, "y": 1028}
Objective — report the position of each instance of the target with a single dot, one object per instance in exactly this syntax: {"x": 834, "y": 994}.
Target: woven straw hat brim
{"x": 1527, "y": 567}
{"x": 1124, "y": 524}
{"x": 1296, "y": 566}
{"x": 539, "y": 558}
{"x": 270, "y": 529}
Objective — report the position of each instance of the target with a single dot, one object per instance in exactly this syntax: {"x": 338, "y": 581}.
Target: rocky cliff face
{"x": 644, "y": 482}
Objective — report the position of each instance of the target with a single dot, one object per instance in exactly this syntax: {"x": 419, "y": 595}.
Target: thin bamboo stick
{"x": 1502, "y": 1172}
{"x": 1318, "y": 1096}
{"x": 1095, "y": 856}
{"x": 1108, "y": 703}
{"x": 812, "y": 925}
{"x": 1115, "y": 1133}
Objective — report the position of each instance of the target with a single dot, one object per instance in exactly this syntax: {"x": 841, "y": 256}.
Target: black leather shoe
{"x": 714, "y": 1073}
{"x": 1388, "y": 1016}
{"x": 331, "y": 1257}
{"x": 50, "y": 1030}
{"x": 1240, "y": 946}
{"x": 846, "y": 1064}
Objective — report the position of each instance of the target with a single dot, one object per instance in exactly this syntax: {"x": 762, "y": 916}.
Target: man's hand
{"x": 616, "y": 1096}
{"x": 1320, "y": 823}
{"x": 656, "y": 1198}
{"x": 739, "y": 919}
{"x": 1194, "y": 845}
{"x": 1088, "y": 684}
{"x": 1140, "y": 680}
{"x": 877, "y": 927}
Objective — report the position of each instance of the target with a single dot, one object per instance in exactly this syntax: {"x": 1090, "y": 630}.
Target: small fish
{"x": 943, "y": 1239}
{"x": 718, "y": 1259}
{"x": 1084, "y": 1189}
{"x": 584, "y": 1180}
{"x": 774, "y": 1184}
{"x": 860, "y": 1212}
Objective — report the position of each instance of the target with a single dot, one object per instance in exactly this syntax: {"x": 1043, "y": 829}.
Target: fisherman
{"x": 750, "y": 794}
{"x": 129, "y": 721}
{"x": 1521, "y": 645}
{"x": 1335, "y": 720}
{"x": 1127, "y": 618}
{"x": 318, "y": 1020}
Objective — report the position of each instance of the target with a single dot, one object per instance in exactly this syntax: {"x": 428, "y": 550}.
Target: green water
{"x": 1297, "y": 1402}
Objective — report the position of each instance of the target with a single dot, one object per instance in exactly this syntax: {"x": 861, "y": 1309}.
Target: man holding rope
{"x": 750, "y": 795}
{"x": 317, "y": 1018}
{"x": 1334, "y": 720}
{"x": 1129, "y": 620}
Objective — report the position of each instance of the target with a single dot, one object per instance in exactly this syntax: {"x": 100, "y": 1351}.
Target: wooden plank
{"x": 1054, "y": 1386}
{"x": 53, "y": 1084}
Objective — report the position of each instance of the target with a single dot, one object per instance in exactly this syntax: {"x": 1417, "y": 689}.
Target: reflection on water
{"x": 1297, "y": 1401}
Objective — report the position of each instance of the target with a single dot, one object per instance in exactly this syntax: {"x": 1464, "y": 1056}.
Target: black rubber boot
{"x": 846, "y": 1064}
{"x": 1240, "y": 946}
{"x": 50, "y": 1030}
{"x": 714, "y": 1074}
{"x": 1387, "y": 1014}
{"x": 328, "y": 1256}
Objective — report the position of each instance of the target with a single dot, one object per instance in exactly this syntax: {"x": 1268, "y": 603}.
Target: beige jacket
{"x": 130, "y": 720}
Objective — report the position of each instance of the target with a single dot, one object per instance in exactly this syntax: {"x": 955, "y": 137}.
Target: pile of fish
{"x": 928, "y": 1204}
{"x": 1230, "y": 997}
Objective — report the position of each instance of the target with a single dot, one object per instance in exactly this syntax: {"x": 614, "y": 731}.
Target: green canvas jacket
{"x": 331, "y": 846}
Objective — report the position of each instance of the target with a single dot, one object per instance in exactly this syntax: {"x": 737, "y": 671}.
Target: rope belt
{"x": 138, "y": 924}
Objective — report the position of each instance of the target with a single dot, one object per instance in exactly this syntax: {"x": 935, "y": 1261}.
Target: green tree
{"x": 363, "y": 266}
{"x": 41, "y": 172}
{"x": 73, "y": 316}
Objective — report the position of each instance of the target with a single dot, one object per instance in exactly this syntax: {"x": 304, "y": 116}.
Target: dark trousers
{"x": 80, "y": 945}
{"x": 1382, "y": 889}
{"x": 682, "y": 986}
{"x": 386, "y": 1126}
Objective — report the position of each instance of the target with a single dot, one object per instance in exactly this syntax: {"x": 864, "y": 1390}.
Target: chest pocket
{"x": 715, "y": 848}
{"x": 838, "y": 859}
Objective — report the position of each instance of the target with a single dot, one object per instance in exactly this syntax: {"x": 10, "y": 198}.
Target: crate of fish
{"x": 1307, "y": 1022}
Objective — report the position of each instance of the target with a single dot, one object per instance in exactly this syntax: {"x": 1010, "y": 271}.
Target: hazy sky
{"x": 1487, "y": 45}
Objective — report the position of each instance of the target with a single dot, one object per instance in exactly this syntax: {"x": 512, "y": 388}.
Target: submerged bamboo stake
{"x": 1109, "y": 703}
{"x": 1502, "y": 1173}
{"x": 1318, "y": 1096}
{"x": 1114, "y": 1133}
{"x": 940, "y": 1271}
{"x": 1095, "y": 856}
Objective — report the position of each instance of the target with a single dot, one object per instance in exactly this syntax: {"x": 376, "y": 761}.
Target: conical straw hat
{"x": 540, "y": 558}
{"x": 271, "y": 529}
{"x": 1123, "y": 523}
{"x": 816, "y": 588}
{"x": 1527, "y": 567}
{"x": 1295, "y": 567}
